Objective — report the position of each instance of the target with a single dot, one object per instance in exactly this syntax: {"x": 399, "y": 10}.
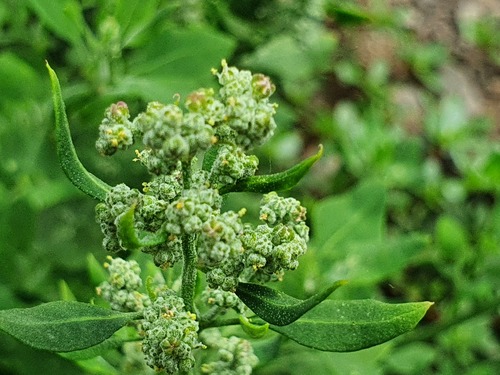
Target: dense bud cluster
{"x": 170, "y": 335}
{"x": 121, "y": 289}
{"x": 235, "y": 355}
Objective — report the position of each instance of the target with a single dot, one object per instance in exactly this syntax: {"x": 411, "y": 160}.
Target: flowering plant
{"x": 197, "y": 152}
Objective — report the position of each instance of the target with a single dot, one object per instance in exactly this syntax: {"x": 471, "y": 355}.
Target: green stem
{"x": 189, "y": 271}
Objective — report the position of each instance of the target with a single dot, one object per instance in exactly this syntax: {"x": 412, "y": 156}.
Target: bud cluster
{"x": 234, "y": 356}
{"x": 121, "y": 289}
{"x": 170, "y": 335}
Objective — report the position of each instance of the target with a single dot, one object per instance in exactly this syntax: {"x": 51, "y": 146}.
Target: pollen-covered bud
{"x": 262, "y": 87}
{"x": 115, "y": 131}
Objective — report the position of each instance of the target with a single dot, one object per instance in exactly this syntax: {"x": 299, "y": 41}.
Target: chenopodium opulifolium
{"x": 181, "y": 200}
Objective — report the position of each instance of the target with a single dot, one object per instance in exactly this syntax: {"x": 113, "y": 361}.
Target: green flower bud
{"x": 115, "y": 131}
{"x": 262, "y": 87}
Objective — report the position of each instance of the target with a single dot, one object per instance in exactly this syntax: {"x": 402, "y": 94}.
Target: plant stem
{"x": 189, "y": 272}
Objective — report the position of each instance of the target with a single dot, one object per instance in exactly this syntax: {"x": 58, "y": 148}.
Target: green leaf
{"x": 134, "y": 16}
{"x": 343, "y": 326}
{"x": 132, "y": 239}
{"x": 63, "y": 17}
{"x": 276, "y": 307}
{"x": 63, "y": 326}
{"x": 255, "y": 331}
{"x": 355, "y": 216}
{"x": 122, "y": 336}
{"x": 277, "y": 181}
{"x": 347, "y": 14}
{"x": 178, "y": 60}
{"x": 71, "y": 165}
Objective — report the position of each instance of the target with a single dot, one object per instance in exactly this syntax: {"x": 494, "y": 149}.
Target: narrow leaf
{"x": 71, "y": 165}
{"x": 275, "y": 182}
{"x": 343, "y": 326}
{"x": 276, "y": 307}
{"x": 63, "y": 326}
{"x": 132, "y": 239}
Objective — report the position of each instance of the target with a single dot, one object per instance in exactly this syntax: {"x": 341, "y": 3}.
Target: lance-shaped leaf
{"x": 132, "y": 239}
{"x": 71, "y": 165}
{"x": 276, "y": 307}
{"x": 63, "y": 326}
{"x": 343, "y": 326}
{"x": 275, "y": 182}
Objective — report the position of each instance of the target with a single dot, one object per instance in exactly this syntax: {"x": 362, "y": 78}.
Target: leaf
{"x": 130, "y": 238}
{"x": 275, "y": 182}
{"x": 71, "y": 165}
{"x": 347, "y": 14}
{"x": 63, "y": 17}
{"x": 368, "y": 262}
{"x": 177, "y": 61}
{"x": 255, "y": 331}
{"x": 63, "y": 326}
{"x": 276, "y": 307}
{"x": 134, "y": 16}
{"x": 122, "y": 336}
{"x": 355, "y": 216}
{"x": 343, "y": 326}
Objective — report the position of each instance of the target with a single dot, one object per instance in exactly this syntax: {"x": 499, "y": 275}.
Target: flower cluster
{"x": 170, "y": 335}
{"x": 235, "y": 355}
{"x": 121, "y": 289}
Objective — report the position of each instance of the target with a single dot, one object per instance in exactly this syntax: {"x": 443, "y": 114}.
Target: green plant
{"x": 179, "y": 218}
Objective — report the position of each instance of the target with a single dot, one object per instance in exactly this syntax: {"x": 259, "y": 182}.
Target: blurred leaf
{"x": 63, "y": 326}
{"x": 19, "y": 80}
{"x": 348, "y": 14}
{"x": 413, "y": 358}
{"x": 134, "y": 16}
{"x": 177, "y": 62}
{"x": 63, "y": 17}
{"x": 369, "y": 262}
{"x": 352, "y": 217}
{"x": 295, "y": 63}
{"x": 65, "y": 292}
{"x": 96, "y": 270}
{"x": 342, "y": 326}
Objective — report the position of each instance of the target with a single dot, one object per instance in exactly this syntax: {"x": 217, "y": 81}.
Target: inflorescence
{"x": 182, "y": 202}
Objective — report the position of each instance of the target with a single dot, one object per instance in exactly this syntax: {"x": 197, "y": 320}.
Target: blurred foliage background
{"x": 403, "y": 94}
